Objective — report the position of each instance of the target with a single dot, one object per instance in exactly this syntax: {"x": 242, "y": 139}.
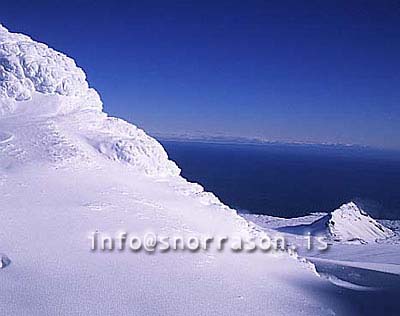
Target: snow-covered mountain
{"x": 67, "y": 169}
{"x": 349, "y": 223}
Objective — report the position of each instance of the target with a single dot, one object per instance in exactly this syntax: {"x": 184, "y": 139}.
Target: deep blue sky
{"x": 321, "y": 71}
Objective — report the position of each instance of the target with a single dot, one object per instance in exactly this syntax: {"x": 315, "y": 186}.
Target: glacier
{"x": 67, "y": 169}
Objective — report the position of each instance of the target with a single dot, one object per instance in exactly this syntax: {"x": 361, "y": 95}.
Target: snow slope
{"x": 371, "y": 268}
{"x": 67, "y": 169}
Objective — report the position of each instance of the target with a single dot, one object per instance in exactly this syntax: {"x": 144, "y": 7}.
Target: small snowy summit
{"x": 67, "y": 170}
{"x": 349, "y": 223}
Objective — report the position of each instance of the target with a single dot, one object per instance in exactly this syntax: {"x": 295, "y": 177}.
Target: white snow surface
{"x": 370, "y": 269}
{"x": 67, "y": 169}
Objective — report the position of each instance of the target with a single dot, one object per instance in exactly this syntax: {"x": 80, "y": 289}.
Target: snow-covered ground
{"x": 67, "y": 170}
{"x": 363, "y": 254}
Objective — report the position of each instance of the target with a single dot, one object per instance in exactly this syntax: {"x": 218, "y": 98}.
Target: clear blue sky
{"x": 321, "y": 71}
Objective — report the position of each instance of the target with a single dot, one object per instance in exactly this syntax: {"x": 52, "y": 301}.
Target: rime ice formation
{"x": 41, "y": 83}
{"x": 27, "y": 67}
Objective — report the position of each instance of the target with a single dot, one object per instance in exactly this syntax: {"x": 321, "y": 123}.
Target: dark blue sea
{"x": 293, "y": 180}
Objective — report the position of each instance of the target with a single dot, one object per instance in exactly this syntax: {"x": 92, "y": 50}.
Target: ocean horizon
{"x": 291, "y": 180}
